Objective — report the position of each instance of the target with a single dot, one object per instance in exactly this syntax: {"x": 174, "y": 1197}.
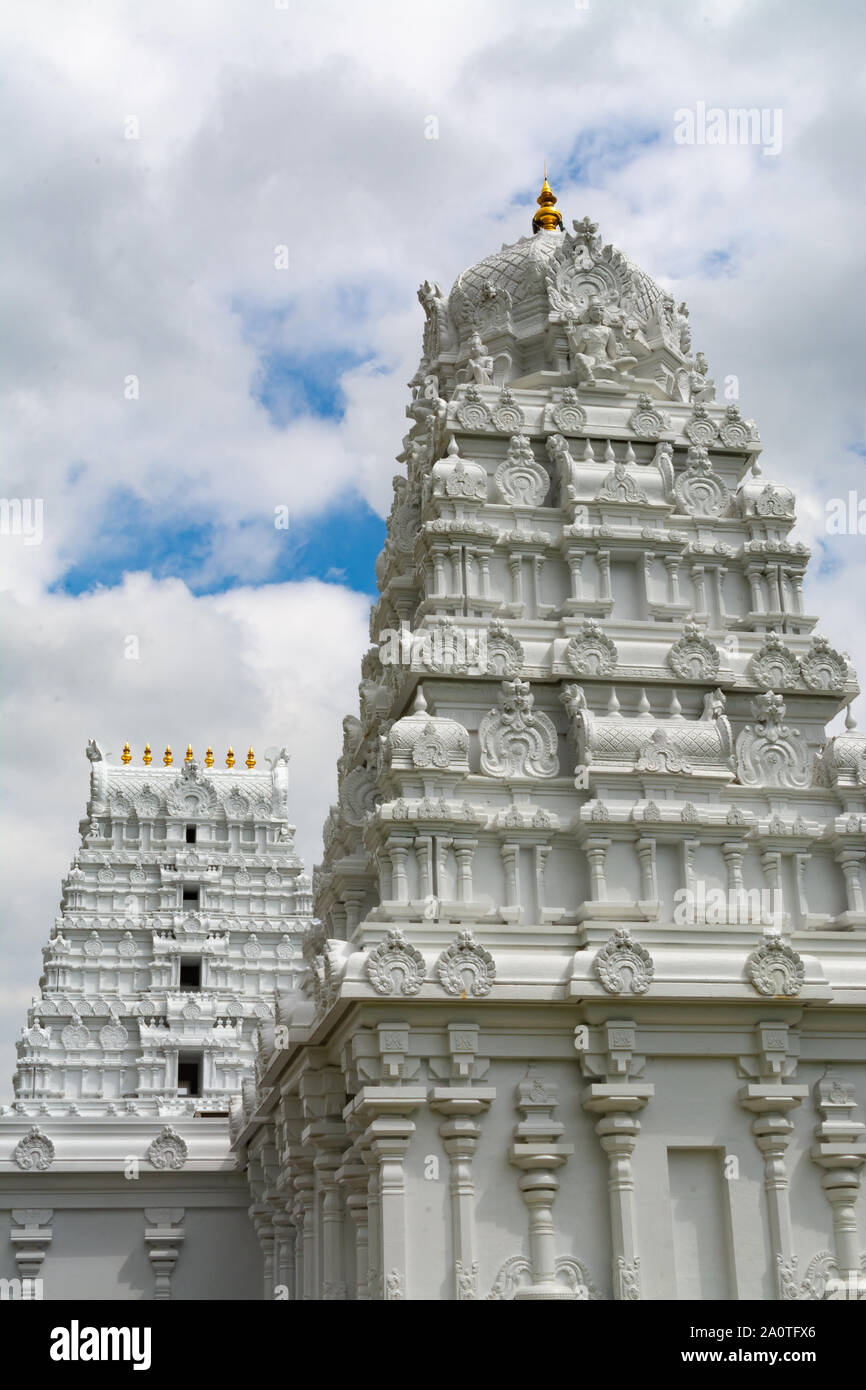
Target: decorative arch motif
{"x": 464, "y": 968}
{"x": 395, "y": 966}
{"x": 591, "y": 652}
{"x": 168, "y": 1151}
{"x": 774, "y": 666}
{"x": 521, "y": 481}
{"x": 34, "y": 1152}
{"x": 516, "y": 1272}
{"x": 694, "y": 657}
{"x": 699, "y": 490}
{"x": 624, "y": 966}
{"x": 775, "y": 969}
{"x": 770, "y": 753}
{"x": 517, "y": 741}
{"x": 823, "y": 668}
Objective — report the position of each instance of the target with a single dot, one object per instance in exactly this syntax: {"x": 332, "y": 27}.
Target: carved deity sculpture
{"x": 594, "y": 349}
{"x": 701, "y": 388}
{"x": 479, "y": 366}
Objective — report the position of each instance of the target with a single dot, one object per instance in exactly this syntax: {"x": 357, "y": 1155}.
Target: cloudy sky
{"x": 215, "y": 219}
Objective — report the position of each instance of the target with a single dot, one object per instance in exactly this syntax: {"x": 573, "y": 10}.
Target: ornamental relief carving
{"x": 623, "y": 965}
{"x": 591, "y": 652}
{"x": 516, "y": 740}
{"x": 473, "y": 413}
{"x": 34, "y": 1152}
{"x": 516, "y": 1272}
{"x": 505, "y": 654}
{"x": 507, "y": 415}
{"x": 770, "y": 753}
{"x": 359, "y": 795}
{"x": 701, "y": 429}
{"x": 568, "y": 415}
{"x": 466, "y": 968}
{"x": 693, "y": 656}
{"x": 774, "y": 666}
{"x": 823, "y": 668}
{"x": 520, "y": 480}
{"x": 647, "y": 421}
{"x": 395, "y": 966}
{"x": 775, "y": 969}
{"x": 699, "y": 490}
{"x": 168, "y": 1151}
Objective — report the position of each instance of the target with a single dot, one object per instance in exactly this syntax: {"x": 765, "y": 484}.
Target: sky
{"x": 215, "y": 217}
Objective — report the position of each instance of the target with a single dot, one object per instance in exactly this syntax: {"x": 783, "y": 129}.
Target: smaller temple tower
{"x": 181, "y": 918}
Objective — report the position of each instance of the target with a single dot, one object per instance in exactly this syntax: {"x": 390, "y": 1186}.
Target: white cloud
{"x": 261, "y": 126}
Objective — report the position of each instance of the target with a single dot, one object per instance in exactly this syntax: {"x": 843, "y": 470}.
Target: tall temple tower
{"x": 585, "y": 1013}
{"x": 182, "y": 919}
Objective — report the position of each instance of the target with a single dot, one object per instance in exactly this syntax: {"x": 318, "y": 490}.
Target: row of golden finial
{"x": 168, "y": 758}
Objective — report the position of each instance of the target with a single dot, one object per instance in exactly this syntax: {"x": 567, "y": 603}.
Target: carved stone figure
{"x": 594, "y": 350}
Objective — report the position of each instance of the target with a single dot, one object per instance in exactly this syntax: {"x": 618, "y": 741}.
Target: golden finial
{"x": 230, "y": 758}
{"x": 251, "y": 759}
{"x": 147, "y": 756}
{"x": 547, "y": 219}
{"x": 188, "y": 754}
{"x": 126, "y": 756}
{"x": 208, "y": 758}
{"x": 166, "y": 757}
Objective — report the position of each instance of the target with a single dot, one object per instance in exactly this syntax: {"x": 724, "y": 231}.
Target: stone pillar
{"x": 753, "y": 573}
{"x": 515, "y": 565}
{"x": 698, "y": 575}
{"x": 424, "y": 860}
{"x": 464, "y": 851}
{"x": 385, "y": 1111}
{"x": 672, "y": 565}
{"x": 850, "y": 860}
{"x": 617, "y": 1098}
{"x": 646, "y": 853}
{"x": 284, "y": 1263}
{"x": 841, "y": 1153}
{"x": 333, "y": 1280}
{"x": 770, "y": 1099}
{"x": 354, "y": 1180}
{"x": 398, "y": 848}
{"x": 463, "y": 1106}
{"x": 305, "y": 1222}
{"x": 537, "y": 1152}
{"x": 510, "y": 855}
{"x": 603, "y": 561}
{"x": 596, "y": 850}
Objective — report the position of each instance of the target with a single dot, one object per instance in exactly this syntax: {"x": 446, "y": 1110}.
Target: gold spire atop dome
{"x": 188, "y": 754}
{"x": 126, "y": 756}
{"x": 147, "y": 757}
{"x": 166, "y": 757}
{"x": 547, "y": 219}
{"x": 251, "y": 759}
{"x": 208, "y": 758}
{"x": 230, "y": 758}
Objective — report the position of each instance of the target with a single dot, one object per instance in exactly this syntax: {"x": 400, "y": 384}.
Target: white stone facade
{"x": 586, "y": 1013}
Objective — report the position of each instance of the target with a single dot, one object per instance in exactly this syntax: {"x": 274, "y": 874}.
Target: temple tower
{"x": 182, "y": 919}
{"x": 591, "y": 901}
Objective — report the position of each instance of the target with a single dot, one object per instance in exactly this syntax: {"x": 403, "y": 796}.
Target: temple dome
{"x": 554, "y": 272}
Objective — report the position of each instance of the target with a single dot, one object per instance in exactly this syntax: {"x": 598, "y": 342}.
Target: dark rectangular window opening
{"x": 190, "y": 834}
{"x": 191, "y": 895}
{"x": 189, "y": 1073}
{"x": 190, "y": 972}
